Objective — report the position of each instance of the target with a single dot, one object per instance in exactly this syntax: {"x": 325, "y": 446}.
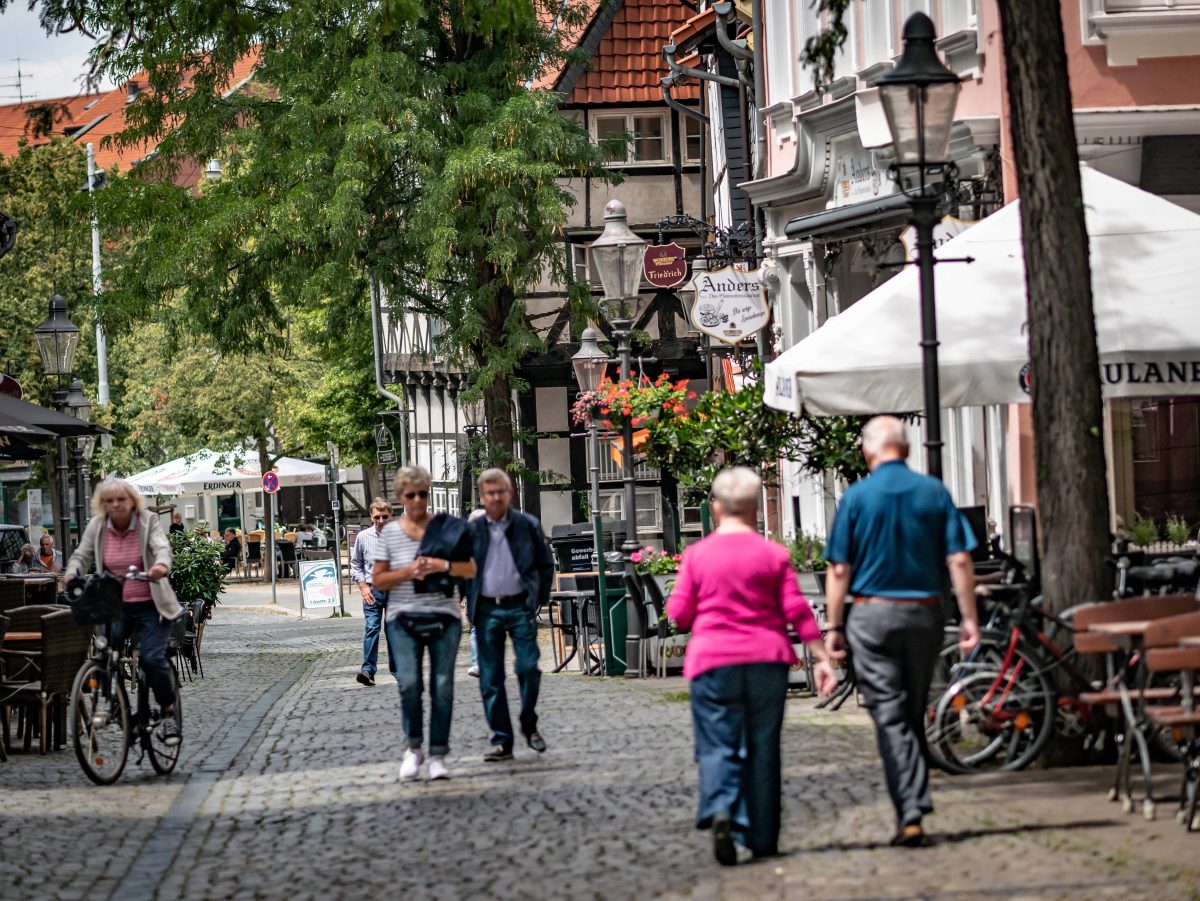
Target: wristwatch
{"x": 447, "y": 566}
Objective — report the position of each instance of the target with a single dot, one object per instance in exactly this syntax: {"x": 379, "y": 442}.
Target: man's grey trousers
{"x": 895, "y": 647}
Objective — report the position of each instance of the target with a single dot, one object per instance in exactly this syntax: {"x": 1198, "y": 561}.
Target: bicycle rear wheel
{"x": 100, "y": 723}
{"x": 992, "y": 721}
{"x": 163, "y": 757}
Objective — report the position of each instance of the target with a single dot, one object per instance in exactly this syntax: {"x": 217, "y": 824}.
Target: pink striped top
{"x": 737, "y": 594}
{"x": 121, "y": 551}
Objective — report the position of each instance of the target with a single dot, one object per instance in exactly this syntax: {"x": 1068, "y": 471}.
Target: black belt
{"x": 506, "y": 599}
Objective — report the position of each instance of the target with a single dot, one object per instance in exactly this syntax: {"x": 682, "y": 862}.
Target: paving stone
{"x": 287, "y": 789}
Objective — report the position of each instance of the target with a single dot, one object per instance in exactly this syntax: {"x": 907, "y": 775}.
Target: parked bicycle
{"x": 103, "y": 728}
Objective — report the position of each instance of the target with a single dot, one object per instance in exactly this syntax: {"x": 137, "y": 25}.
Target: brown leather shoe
{"x": 910, "y": 836}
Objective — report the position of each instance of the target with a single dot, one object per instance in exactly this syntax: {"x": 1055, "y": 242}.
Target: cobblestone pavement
{"x": 287, "y": 788}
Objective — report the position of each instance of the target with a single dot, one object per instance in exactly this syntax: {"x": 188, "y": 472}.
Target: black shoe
{"x": 724, "y": 850}
{"x": 365, "y": 678}
{"x": 535, "y": 741}
{"x": 497, "y": 753}
{"x": 169, "y": 730}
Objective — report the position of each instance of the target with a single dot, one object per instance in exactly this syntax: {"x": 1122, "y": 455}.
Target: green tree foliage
{"x": 398, "y": 143}
{"x": 40, "y": 187}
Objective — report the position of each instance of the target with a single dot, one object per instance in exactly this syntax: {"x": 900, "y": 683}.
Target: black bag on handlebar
{"x": 97, "y": 598}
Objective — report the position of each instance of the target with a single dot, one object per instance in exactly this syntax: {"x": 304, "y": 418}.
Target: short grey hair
{"x": 411, "y": 476}
{"x": 737, "y": 488}
{"x": 114, "y": 485}
{"x": 883, "y": 432}
{"x": 493, "y": 475}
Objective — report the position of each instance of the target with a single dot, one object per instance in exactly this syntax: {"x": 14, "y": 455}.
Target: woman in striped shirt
{"x": 416, "y": 622}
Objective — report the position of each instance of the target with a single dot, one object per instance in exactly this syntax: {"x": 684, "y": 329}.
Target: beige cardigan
{"x": 155, "y": 549}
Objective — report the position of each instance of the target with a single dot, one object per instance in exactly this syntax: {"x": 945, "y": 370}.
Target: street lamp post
{"x": 618, "y": 256}
{"x": 57, "y": 340}
{"x": 81, "y": 408}
{"x": 918, "y": 98}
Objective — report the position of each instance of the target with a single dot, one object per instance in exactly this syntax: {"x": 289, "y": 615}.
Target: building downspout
{"x": 668, "y": 53}
{"x": 378, "y": 345}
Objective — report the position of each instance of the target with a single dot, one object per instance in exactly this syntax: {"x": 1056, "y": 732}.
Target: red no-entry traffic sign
{"x": 270, "y": 482}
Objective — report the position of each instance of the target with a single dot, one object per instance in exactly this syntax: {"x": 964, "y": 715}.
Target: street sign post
{"x": 335, "y": 504}
{"x": 270, "y": 482}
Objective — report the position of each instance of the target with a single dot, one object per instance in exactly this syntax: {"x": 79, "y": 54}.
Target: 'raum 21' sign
{"x": 729, "y": 304}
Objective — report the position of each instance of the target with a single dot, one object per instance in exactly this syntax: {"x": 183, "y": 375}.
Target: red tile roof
{"x": 628, "y": 63}
{"x": 93, "y": 117}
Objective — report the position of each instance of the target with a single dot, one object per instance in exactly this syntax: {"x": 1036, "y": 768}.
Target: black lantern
{"x": 474, "y": 415}
{"x": 919, "y": 97}
{"x": 57, "y": 339}
{"x": 618, "y": 255}
{"x": 589, "y": 362}
{"x": 77, "y": 403}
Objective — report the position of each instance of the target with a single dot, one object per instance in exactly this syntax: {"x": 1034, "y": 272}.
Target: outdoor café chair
{"x": 1126, "y": 677}
{"x": 287, "y": 558}
{"x": 63, "y": 648}
{"x": 3, "y": 719}
{"x": 1164, "y": 654}
{"x": 254, "y": 557}
{"x": 12, "y": 594}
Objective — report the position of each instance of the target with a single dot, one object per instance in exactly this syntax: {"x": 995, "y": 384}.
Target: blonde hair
{"x": 883, "y": 432}
{"x": 380, "y": 503}
{"x": 114, "y": 485}
{"x": 737, "y": 489}
{"x": 411, "y": 476}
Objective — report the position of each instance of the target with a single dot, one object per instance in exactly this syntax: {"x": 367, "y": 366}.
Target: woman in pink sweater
{"x": 737, "y": 594}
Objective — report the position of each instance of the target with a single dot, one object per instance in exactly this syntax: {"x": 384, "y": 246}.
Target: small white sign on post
{"x": 729, "y": 304}
{"x": 318, "y": 584}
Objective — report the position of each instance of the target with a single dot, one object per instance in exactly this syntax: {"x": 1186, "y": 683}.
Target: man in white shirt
{"x": 362, "y": 560}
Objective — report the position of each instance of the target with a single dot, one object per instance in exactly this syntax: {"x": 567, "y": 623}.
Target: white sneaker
{"x": 473, "y": 671}
{"x": 437, "y": 768}
{"x": 410, "y": 767}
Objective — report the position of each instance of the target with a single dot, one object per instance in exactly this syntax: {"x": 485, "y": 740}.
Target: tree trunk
{"x": 1067, "y": 412}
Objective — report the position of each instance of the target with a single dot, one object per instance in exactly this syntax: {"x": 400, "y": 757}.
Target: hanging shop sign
{"x": 11, "y": 387}
{"x": 665, "y": 265}
{"x": 858, "y": 178}
{"x": 385, "y": 450}
{"x": 944, "y": 231}
{"x": 729, "y": 304}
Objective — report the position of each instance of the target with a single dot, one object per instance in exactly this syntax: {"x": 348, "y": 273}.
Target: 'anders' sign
{"x": 729, "y": 304}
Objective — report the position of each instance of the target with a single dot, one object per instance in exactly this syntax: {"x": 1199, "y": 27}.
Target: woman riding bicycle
{"x": 123, "y": 534}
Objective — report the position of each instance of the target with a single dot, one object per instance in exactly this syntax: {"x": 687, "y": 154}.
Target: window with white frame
{"x": 808, "y": 26}
{"x": 908, "y": 7}
{"x": 878, "y": 34}
{"x": 439, "y": 501}
{"x": 846, "y": 62}
{"x": 777, "y": 26}
{"x": 647, "y": 133}
{"x": 693, "y": 143}
{"x": 958, "y": 15}
{"x": 649, "y": 514}
{"x": 577, "y": 255}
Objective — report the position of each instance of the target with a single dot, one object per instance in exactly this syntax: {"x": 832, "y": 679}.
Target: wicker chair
{"x": 12, "y": 594}
{"x": 63, "y": 650}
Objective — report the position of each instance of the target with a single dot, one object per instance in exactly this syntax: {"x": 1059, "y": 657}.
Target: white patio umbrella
{"x": 208, "y": 472}
{"x": 1144, "y": 252}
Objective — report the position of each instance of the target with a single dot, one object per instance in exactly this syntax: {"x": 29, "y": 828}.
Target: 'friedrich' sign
{"x": 665, "y": 265}
{"x": 729, "y": 304}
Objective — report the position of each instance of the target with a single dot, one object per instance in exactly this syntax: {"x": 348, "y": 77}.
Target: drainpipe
{"x": 668, "y": 82}
{"x": 668, "y": 53}
{"x": 378, "y": 344}
{"x": 737, "y": 48}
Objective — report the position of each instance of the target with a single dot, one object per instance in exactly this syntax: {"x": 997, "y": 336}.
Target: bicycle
{"x": 999, "y": 706}
{"x": 102, "y": 725}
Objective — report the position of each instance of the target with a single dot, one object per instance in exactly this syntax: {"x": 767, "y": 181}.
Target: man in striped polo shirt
{"x": 362, "y": 559}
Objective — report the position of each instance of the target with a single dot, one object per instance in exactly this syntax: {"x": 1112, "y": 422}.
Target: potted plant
{"x": 659, "y": 567}
{"x": 197, "y": 574}
{"x": 1178, "y": 530}
{"x": 808, "y": 558}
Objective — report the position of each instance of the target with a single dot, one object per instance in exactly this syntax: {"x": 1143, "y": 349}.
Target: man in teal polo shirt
{"x": 895, "y": 534}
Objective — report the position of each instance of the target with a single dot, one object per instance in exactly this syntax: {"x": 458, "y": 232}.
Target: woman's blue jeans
{"x": 737, "y": 715}
{"x": 409, "y": 656}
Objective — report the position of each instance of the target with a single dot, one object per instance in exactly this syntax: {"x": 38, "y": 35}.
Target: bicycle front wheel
{"x": 163, "y": 756}
{"x": 992, "y": 721}
{"x": 100, "y": 723}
